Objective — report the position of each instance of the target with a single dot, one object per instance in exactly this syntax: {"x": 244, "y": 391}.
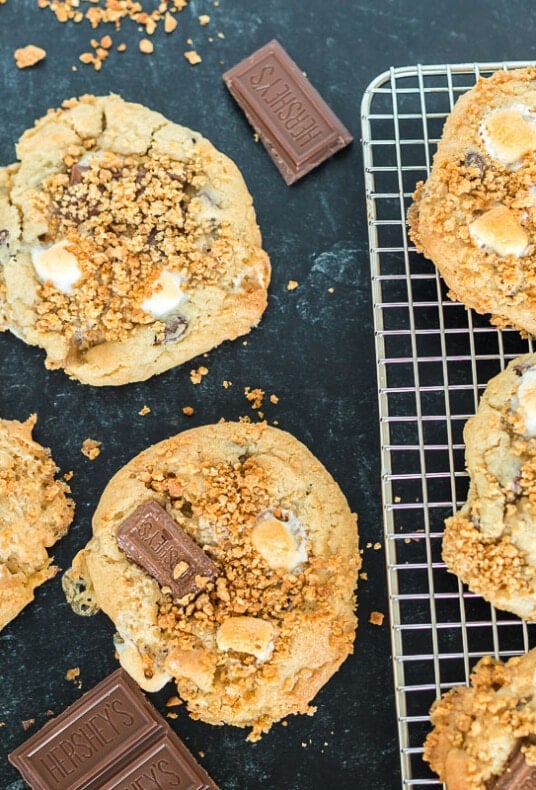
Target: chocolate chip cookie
{"x": 35, "y": 511}
{"x": 128, "y": 243}
{"x": 475, "y": 216}
{"x": 484, "y": 735}
{"x": 491, "y": 542}
{"x": 253, "y": 629}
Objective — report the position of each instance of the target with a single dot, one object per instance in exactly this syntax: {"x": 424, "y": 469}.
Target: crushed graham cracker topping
{"x": 122, "y": 217}
{"x": 232, "y": 498}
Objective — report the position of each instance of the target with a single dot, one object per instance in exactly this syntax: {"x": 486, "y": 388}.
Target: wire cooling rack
{"x": 434, "y": 358}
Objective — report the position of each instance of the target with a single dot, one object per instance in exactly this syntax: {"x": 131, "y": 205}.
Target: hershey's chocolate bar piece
{"x": 517, "y": 774}
{"x": 111, "y": 738}
{"x": 293, "y": 121}
{"x": 155, "y": 541}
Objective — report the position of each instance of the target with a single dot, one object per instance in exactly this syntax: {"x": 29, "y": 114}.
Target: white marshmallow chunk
{"x": 499, "y": 231}
{"x": 57, "y": 265}
{"x": 524, "y": 403}
{"x": 167, "y": 294}
{"x": 509, "y": 134}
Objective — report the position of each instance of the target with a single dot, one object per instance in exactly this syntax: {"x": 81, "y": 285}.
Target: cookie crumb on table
{"x": 192, "y": 57}
{"x": 376, "y": 618}
{"x": 196, "y": 376}
{"x": 91, "y": 448}
{"x": 254, "y": 396}
{"x": 27, "y": 723}
{"x": 204, "y": 19}
{"x": 292, "y": 285}
{"x": 28, "y": 56}
{"x": 188, "y": 410}
{"x": 144, "y": 410}
{"x": 146, "y": 46}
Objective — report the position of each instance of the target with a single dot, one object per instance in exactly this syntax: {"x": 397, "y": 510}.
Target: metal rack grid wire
{"x": 434, "y": 358}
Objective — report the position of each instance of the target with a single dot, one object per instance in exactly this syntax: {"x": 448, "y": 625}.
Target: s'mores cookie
{"x": 227, "y": 558}
{"x": 491, "y": 542}
{"x": 475, "y": 216}
{"x": 484, "y": 735}
{"x": 35, "y": 511}
{"x": 128, "y": 243}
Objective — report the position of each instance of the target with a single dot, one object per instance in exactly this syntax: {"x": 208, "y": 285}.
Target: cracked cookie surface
{"x": 484, "y": 735}
{"x": 260, "y": 639}
{"x": 475, "y": 216}
{"x": 35, "y": 512}
{"x": 491, "y": 542}
{"x": 128, "y": 243}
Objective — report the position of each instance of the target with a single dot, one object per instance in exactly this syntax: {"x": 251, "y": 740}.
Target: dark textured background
{"x": 313, "y": 348}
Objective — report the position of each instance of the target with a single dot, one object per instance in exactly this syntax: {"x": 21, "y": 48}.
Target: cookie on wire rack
{"x": 484, "y": 735}
{"x": 490, "y": 543}
{"x": 475, "y": 216}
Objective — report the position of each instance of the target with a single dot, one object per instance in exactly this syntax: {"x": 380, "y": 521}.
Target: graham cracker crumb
{"x": 144, "y": 410}
{"x": 204, "y": 19}
{"x": 72, "y": 674}
{"x": 364, "y": 576}
{"x": 121, "y": 47}
{"x": 226, "y": 384}
{"x": 170, "y": 23}
{"x": 173, "y": 702}
{"x": 27, "y": 723}
{"x": 274, "y": 398}
{"x": 28, "y": 56}
{"x": 376, "y": 618}
{"x": 292, "y": 285}
{"x": 146, "y": 46}
{"x": 68, "y": 476}
{"x": 331, "y": 290}
{"x": 188, "y": 410}
{"x": 255, "y": 396}
{"x": 377, "y": 546}
{"x": 91, "y": 448}
{"x": 196, "y": 376}
{"x": 192, "y": 57}
{"x": 171, "y": 715}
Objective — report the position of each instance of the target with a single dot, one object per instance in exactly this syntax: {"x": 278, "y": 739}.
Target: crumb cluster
{"x": 122, "y": 218}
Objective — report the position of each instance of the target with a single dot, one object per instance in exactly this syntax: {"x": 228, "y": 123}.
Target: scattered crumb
{"x": 192, "y": 57}
{"x": 91, "y": 448}
{"x": 255, "y": 396}
{"x": 377, "y": 546}
{"x": 27, "y": 723}
{"x": 244, "y": 342}
{"x": 397, "y": 499}
{"x": 284, "y": 723}
{"x": 121, "y": 47}
{"x": 369, "y": 545}
{"x": 407, "y": 540}
{"x": 275, "y": 422}
{"x": 190, "y": 42}
{"x": 72, "y": 674}
{"x": 68, "y": 476}
{"x": 220, "y": 35}
{"x": 146, "y": 46}
{"x": 171, "y": 715}
{"x": 29, "y": 56}
{"x": 274, "y": 399}
{"x": 292, "y": 285}
{"x": 204, "y": 19}
{"x": 197, "y": 375}
{"x": 2, "y": 723}
{"x": 363, "y": 575}
{"x": 144, "y": 410}
{"x": 226, "y": 384}
{"x": 244, "y": 418}
{"x": 376, "y": 618}
{"x": 188, "y": 410}
{"x": 170, "y": 23}
{"x": 331, "y": 290}
{"x": 256, "y": 137}
{"x": 173, "y": 701}
{"x": 50, "y": 712}
{"x": 201, "y": 754}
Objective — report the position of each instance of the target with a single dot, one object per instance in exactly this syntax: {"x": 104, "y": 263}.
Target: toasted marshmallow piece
{"x": 524, "y": 402}
{"x": 247, "y": 635}
{"x": 57, "y": 265}
{"x": 167, "y": 294}
{"x": 196, "y": 665}
{"x": 509, "y": 134}
{"x": 278, "y": 544}
{"x": 132, "y": 662}
{"x": 498, "y": 230}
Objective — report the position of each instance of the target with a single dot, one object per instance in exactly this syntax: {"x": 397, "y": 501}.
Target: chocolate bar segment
{"x": 156, "y": 542}
{"x": 293, "y": 121}
{"x": 518, "y": 775}
{"x": 111, "y": 738}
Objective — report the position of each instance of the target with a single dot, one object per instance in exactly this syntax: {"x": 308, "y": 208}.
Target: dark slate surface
{"x": 313, "y": 348}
